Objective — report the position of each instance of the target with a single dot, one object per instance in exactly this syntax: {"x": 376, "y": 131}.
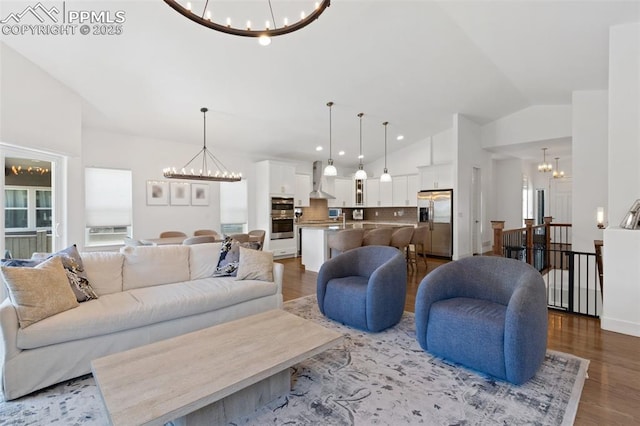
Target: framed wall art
{"x": 157, "y": 193}
{"x": 200, "y": 194}
{"x": 180, "y": 193}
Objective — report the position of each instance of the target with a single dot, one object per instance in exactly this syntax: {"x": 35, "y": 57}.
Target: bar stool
{"x": 344, "y": 240}
{"x": 419, "y": 242}
{"x": 400, "y": 239}
{"x": 378, "y": 237}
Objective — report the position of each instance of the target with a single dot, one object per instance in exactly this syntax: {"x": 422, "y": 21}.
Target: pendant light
{"x": 544, "y": 167}
{"x": 330, "y": 170}
{"x": 385, "y": 177}
{"x": 360, "y": 173}
{"x": 557, "y": 173}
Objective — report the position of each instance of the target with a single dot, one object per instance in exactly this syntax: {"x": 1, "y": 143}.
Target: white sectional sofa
{"x": 145, "y": 294}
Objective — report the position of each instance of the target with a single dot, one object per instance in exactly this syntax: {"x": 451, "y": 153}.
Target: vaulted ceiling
{"x": 412, "y": 63}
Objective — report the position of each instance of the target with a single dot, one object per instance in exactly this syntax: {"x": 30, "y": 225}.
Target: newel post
{"x": 498, "y": 226}
{"x": 529, "y": 224}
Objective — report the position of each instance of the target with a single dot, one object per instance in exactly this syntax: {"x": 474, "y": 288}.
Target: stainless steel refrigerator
{"x": 435, "y": 211}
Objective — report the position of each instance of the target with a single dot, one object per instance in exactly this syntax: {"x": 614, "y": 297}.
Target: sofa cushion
{"x": 457, "y": 327}
{"x": 104, "y": 270}
{"x": 149, "y": 266}
{"x": 141, "y": 307}
{"x": 39, "y": 292}
{"x": 203, "y": 259}
{"x": 255, "y": 265}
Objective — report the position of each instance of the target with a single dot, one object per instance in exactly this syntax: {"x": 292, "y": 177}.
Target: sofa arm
{"x": 525, "y": 334}
{"x": 8, "y": 331}
{"x": 437, "y": 285}
{"x": 337, "y": 267}
{"x": 278, "y": 274}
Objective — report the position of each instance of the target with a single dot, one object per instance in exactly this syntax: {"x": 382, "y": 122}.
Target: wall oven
{"x": 281, "y": 218}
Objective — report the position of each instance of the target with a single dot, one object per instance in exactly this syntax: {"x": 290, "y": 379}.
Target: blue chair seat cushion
{"x": 469, "y": 332}
{"x": 345, "y": 300}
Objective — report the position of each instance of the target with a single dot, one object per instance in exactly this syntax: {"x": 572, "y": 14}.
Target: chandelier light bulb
{"x": 228, "y": 22}
{"x": 317, "y": 5}
{"x": 248, "y": 25}
{"x": 267, "y": 24}
{"x": 302, "y": 15}
{"x": 264, "y": 40}
{"x": 188, "y": 6}
{"x": 208, "y": 14}
{"x": 286, "y": 21}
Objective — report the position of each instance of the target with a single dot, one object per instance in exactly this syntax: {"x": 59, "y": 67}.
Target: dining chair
{"x": 168, "y": 234}
{"x": 207, "y": 232}
{"x": 257, "y": 235}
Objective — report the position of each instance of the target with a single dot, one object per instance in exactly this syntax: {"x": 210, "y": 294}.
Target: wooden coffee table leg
{"x": 242, "y": 403}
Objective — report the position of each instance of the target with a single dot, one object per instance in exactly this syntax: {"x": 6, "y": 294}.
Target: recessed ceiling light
{"x": 400, "y": 137}
{"x": 318, "y": 148}
{"x": 360, "y": 157}
{"x": 341, "y": 153}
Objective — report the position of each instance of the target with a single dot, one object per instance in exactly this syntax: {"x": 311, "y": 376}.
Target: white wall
{"x": 39, "y": 112}
{"x": 468, "y": 153}
{"x": 622, "y": 247}
{"x": 146, "y": 158}
{"x": 436, "y": 149}
{"x": 536, "y": 123}
{"x": 507, "y": 192}
{"x": 590, "y": 170}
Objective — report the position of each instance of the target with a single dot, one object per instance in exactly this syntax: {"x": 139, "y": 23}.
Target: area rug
{"x": 382, "y": 378}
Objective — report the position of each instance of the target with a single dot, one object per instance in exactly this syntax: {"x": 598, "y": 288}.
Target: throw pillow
{"x": 25, "y": 263}
{"x": 228, "y": 259}
{"x": 255, "y": 265}
{"x": 39, "y": 292}
{"x": 74, "y": 269}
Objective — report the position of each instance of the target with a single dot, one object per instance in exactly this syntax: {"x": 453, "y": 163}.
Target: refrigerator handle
{"x": 431, "y": 215}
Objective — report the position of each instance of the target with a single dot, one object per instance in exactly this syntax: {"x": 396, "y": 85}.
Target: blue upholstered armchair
{"x": 364, "y": 287}
{"x": 487, "y": 313}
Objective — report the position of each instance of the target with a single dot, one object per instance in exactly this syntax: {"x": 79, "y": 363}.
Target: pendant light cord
{"x": 330, "y": 104}
{"x": 360, "y": 115}
{"x": 385, "y": 145}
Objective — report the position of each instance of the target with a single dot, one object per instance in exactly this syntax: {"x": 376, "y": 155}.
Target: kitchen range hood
{"x": 317, "y": 192}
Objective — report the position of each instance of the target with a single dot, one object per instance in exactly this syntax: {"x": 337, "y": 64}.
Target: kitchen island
{"x": 314, "y": 247}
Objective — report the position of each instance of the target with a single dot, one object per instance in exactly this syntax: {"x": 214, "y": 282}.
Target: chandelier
{"x": 220, "y": 174}
{"x": 544, "y": 167}
{"x": 207, "y": 17}
{"x": 29, "y": 170}
{"x": 557, "y": 173}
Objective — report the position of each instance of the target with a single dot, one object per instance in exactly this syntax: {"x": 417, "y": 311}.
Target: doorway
{"x": 32, "y": 200}
{"x": 476, "y": 211}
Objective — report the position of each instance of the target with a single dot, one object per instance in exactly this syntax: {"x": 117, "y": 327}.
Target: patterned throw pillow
{"x": 229, "y": 259}
{"x": 76, "y": 275}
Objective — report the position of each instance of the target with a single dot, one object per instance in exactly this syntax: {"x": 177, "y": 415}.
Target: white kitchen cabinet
{"x": 405, "y": 190}
{"x": 343, "y": 191}
{"x": 439, "y": 176}
{"x": 378, "y": 194}
{"x": 386, "y": 194}
{"x": 282, "y": 178}
{"x": 372, "y": 193}
{"x": 303, "y": 188}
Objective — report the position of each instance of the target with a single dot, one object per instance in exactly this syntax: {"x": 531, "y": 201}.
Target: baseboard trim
{"x": 620, "y": 326}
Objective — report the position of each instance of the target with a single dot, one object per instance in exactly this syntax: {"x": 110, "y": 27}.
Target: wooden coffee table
{"x": 211, "y": 376}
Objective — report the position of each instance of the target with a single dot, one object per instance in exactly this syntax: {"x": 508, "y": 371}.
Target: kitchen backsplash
{"x": 318, "y": 210}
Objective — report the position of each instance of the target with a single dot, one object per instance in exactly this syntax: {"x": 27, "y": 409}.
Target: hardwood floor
{"x": 611, "y": 394}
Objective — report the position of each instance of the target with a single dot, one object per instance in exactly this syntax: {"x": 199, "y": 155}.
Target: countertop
{"x": 332, "y": 225}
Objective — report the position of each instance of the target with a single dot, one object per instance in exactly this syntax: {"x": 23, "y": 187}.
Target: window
{"x": 27, "y": 209}
{"x": 108, "y": 206}
{"x": 43, "y": 208}
{"x": 16, "y": 216}
{"x": 233, "y": 207}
